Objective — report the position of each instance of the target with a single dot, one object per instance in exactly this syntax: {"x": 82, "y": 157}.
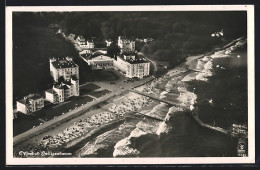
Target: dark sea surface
{"x": 227, "y": 89}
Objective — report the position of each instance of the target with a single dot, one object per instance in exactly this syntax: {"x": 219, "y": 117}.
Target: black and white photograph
{"x": 130, "y": 84}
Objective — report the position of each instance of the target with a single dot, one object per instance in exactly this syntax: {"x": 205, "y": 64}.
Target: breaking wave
{"x": 187, "y": 98}
{"x": 162, "y": 128}
{"x": 123, "y": 147}
{"x": 159, "y": 111}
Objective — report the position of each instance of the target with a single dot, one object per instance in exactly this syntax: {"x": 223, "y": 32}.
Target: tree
{"x": 113, "y": 50}
{"x": 139, "y": 46}
{"x": 61, "y": 79}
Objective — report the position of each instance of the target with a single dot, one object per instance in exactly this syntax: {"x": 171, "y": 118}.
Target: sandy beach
{"x": 70, "y": 134}
{"x": 171, "y": 86}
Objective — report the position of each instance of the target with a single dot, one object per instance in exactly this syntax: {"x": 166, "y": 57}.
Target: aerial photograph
{"x": 133, "y": 84}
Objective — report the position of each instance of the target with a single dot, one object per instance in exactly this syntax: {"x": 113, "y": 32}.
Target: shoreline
{"x": 93, "y": 131}
{"x": 96, "y": 131}
{"x": 76, "y": 144}
{"x": 195, "y": 115}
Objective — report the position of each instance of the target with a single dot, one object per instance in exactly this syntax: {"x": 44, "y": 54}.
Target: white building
{"x": 132, "y": 65}
{"x": 108, "y": 42}
{"x": 30, "y": 103}
{"x": 125, "y": 45}
{"x": 63, "y": 67}
{"x": 80, "y": 40}
{"x": 85, "y": 52}
{"x": 85, "y": 44}
{"x": 71, "y": 36}
{"x": 90, "y": 44}
{"x": 101, "y": 62}
{"x": 63, "y": 91}
{"x": 218, "y": 34}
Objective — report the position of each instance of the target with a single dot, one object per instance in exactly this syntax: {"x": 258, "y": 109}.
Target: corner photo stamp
{"x": 130, "y": 85}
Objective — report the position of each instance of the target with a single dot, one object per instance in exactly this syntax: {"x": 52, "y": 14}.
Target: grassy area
{"x": 86, "y": 89}
{"x": 24, "y": 124}
{"x": 101, "y": 93}
{"x": 99, "y": 75}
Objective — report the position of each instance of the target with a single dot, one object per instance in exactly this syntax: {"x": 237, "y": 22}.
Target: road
{"x": 152, "y": 61}
{"x": 76, "y": 112}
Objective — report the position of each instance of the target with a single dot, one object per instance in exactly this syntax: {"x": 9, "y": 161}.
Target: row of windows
{"x": 68, "y": 70}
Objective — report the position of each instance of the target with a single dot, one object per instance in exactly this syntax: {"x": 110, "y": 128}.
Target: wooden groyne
{"x": 233, "y": 42}
{"x": 218, "y": 129}
{"x": 155, "y": 98}
{"x": 151, "y": 117}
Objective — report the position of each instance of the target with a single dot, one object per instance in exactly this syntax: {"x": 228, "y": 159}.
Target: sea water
{"x": 219, "y": 94}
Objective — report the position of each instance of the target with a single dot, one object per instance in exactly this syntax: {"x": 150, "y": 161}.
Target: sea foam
{"x": 162, "y": 128}
{"x": 123, "y": 148}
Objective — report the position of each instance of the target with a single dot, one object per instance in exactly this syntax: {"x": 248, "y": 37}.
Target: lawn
{"x": 106, "y": 75}
{"x": 98, "y": 75}
{"x": 98, "y": 94}
{"x": 25, "y": 123}
{"x": 86, "y": 89}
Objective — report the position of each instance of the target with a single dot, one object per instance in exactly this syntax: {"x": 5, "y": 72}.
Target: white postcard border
{"x": 173, "y": 160}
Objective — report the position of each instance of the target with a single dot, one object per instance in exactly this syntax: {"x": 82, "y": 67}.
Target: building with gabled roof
{"x": 85, "y": 44}
{"x": 125, "y": 44}
{"x": 63, "y": 91}
{"x": 80, "y": 40}
{"x": 30, "y": 103}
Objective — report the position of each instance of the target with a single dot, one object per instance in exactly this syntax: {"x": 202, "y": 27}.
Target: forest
{"x": 175, "y": 36}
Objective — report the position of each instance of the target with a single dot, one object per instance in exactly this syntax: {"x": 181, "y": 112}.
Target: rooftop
{"x": 125, "y": 39}
{"x": 68, "y": 82}
{"x": 60, "y": 86}
{"x": 138, "y": 58}
{"x": 65, "y": 87}
{"x": 23, "y": 101}
{"x": 63, "y": 63}
{"x": 81, "y": 38}
{"x": 51, "y": 91}
{"x": 26, "y": 99}
{"x": 100, "y": 57}
{"x": 35, "y": 97}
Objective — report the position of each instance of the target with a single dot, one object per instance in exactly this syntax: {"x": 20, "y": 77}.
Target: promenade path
{"x": 76, "y": 112}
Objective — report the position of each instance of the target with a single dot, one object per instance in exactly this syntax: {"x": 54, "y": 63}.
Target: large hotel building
{"x": 128, "y": 61}
{"x": 63, "y": 67}
{"x": 132, "y": 65}
{"x": 66, "y": 68}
